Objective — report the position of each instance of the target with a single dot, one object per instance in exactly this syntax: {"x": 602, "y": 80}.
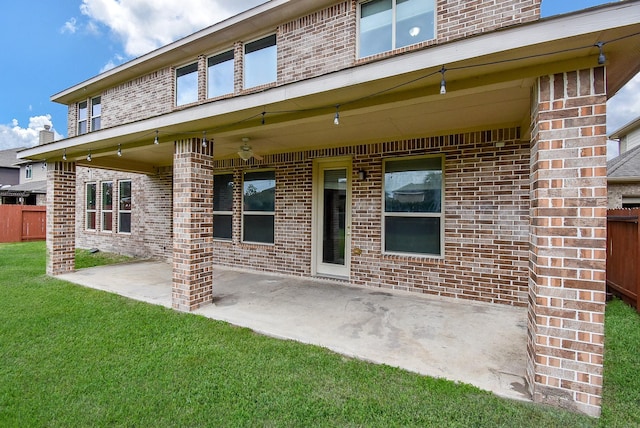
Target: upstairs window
{"x": 187, "y": 84}
{"x": 96, "y": 112}
{"x": 385, "y": 25}
{"x": 82, "y": 118}
{"x": 413, "y": 200}
{"x": 258, "y": 207}
{"x": 223, "y": 206}
{"x": 260, "y": 62}
{"x": 220, "y": 74}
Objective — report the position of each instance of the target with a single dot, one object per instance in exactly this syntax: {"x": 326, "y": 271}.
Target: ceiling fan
{"x": 246, "y": 152}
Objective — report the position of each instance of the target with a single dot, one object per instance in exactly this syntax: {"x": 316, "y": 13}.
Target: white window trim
{"x": 104, "y": 211}
{"x": 85, "y": 120}
{"x": 263, "y": 213}
{"x": 440, "y": 215}
{"x": 393, "y": 32}
{"x": 244, "y": 62}
{"x": 121, "y": 211}
{"x": 86, "y": 208}
{"x": 214, "y": 213}
{"x": 90, "y": 113}
{"x": 175, "y": 83}
{"x": 232, "y": 50}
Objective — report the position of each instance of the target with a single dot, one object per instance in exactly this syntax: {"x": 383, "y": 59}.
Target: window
{"x": 82, "y": 118}
{"x": 260, "y": 62}
{"x": 28, "y": 172}
{"x": 187, "y": 84}
{"x": 124, "y": 206}
{"x": 258, "y": 206}
{"x": 413, "y": 200}
{"x": 220, "y": 75}
{"x": 107, "y": 206}
{"x": 90, "y": 206}
{"x": 385, "y": 25}
{"x": 223, "y": 206}
{"x": 96, "y": 112}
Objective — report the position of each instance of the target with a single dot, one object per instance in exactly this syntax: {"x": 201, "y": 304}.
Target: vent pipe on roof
{"x": 46, "y": 135}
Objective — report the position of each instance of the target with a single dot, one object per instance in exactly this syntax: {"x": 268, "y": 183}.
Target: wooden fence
{"x": 22, "y": 223}
{"x": 623, "y": 254}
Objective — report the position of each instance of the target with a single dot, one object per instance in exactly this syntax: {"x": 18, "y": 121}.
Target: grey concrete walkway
{"x": 472, "y": 342}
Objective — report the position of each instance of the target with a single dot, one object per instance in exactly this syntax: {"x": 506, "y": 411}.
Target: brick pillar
{"x": 192, "y": 224}
{"x": 61, "y": 217}
{"x": 568, "y": 240}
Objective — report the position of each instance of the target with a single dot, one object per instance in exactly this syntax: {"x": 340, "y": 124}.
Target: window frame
{"x": 210, "y": 74}
{"x": 83, "y": 119}
{"x": 244, "y": 60}
{"x": 96, "y": 118}
{"x": 122, "y": 210}
{"x": 223, "y": 212}
{"x": 393, "y": 28}
{"x": 245, "y": 213}
{"x": 106, "y": 226}
{"x": 177, "y": 86}
{"x": 93, "y": 210}
{"x": 440, "y": 215}
{"x": 28, "y": 172}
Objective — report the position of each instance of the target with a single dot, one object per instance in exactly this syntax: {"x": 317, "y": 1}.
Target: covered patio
{"x": 472, "y": 342}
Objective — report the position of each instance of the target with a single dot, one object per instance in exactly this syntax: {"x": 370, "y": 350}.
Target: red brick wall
{"x": 568, "y": 240}
{"x": 486, "y": 218}
{"x": 151, "y": 214}
{"x": 61, "y": 190}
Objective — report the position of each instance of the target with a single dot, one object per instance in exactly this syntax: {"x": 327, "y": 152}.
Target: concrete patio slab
{"x": 473, "y": 342}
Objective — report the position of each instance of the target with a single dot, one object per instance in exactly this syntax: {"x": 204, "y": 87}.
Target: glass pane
{"x": 91, "y": 196}
{"x": 222, "y": 226}
{"x": 125, "y": 195}
{"x": 187, "y": 84}
{"x": 107, "y": 196}
{"x": 82, "y": 127}
{"x": 125, "y": 222}
{"x": 223, "y": 192}
{"x": 82, "y": 111}
{"x": 107, "y": 221}
{"x": 259, "y": 191}
{"x": 220, "y": 75}
{"x": 95, "y": 123}
{"x": 414, "y": 22}
{"x": 334, "y": 213}
{"x": 260, "y": 62}
{"x": 91, "y": 220}
{"x": 412, "y": 235}
{"x": 96, "y": 107}
{"x": 413, "y": 185}
{"x": 376, "y": 27}
{"x": 258, "y": 228}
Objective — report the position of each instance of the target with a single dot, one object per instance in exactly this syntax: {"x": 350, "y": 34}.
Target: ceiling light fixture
{"x": 156, "y": 141}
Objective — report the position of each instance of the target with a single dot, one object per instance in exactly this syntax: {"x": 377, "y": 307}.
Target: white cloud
{"x": 624, "y": 107}
{"x": 71, "y": 26}
{"x": 13, "y": 135}
{"x": 145, "y": 25}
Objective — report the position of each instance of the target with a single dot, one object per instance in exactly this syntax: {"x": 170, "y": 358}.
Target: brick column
{"x": 61, "y": 217}
{"x": 568, "y": 240}
{"x": 192, "y": 224}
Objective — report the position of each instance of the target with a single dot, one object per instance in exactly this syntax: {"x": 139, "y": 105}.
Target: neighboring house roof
{"x": 9, "y": 158}
{"x": 626, "y": 167}
{"x": 24, "y": 189}
{"x": 625, "y": 129}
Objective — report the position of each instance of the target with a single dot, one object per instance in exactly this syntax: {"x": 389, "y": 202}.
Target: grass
{"x": 71, "y": 356}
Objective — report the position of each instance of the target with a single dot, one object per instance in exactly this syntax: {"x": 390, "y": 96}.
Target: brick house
{"x": 623, "y": 172}
{"x": 446, "y": 147}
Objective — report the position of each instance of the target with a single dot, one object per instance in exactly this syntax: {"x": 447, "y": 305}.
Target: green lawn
{"x": 71, "y": 356}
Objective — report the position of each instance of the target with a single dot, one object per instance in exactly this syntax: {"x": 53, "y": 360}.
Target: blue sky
{"x": 50, "y": 45}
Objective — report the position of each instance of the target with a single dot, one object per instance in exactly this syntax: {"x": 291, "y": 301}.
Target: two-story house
{"x": 436, "y": 146}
